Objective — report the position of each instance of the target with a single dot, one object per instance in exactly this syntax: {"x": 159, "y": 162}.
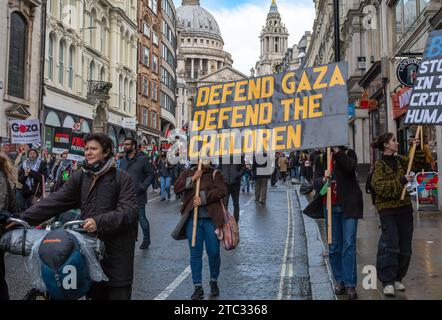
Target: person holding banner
{"x": 61, "y": 172}
{"x": 32, "y": 174}
{"x": 210, "y": 217}
{"x": 396, "y": 215}
{"x": 347, "y": 208}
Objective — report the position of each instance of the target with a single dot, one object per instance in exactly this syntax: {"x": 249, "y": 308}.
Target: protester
{"x": 139, "y": 168}
{"x": 107, "y": 199}
{"x": 396, "y": 215}
{"x": 283, "y": 166}
{"x": 261, "y": 173}
{"x": 212, "y": 191}
{"x": 31, "y": 175}
{"x": 305, "y": 167}
{"x": 347, "y": 208}
{"x": 294, "y": 166}
{"x": 232, "y": 174}
{"x": 245, "y": 183}
{"x": 165, "y": 173}
{"x": 61, "y": 172}
{"x": 8, "y": 206}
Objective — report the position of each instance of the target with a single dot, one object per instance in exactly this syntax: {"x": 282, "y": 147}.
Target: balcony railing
{"x": 98, "y": 90}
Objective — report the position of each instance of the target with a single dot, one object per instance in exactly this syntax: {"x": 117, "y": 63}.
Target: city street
{"x": 271, "y": 261}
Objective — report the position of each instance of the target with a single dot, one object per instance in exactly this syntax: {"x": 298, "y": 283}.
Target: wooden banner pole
{"x": 195, "y": 210}
{"x": 329, "y": 204}
{"x": 410, "y": 161}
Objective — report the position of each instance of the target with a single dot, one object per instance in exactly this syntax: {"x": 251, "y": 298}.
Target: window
{"x": 92, "y": 70}
{"x": 146, "y": 29}
{"x": 155, "y": 63}
{"x": 155, "y": 38}
{"x": 103, "y": 36}
{"x": 154, "y": 120}
{"x": 144, "y": 118}
{"x": 61, "y": 63}
{"x": 407, "y": 12}
{"x": 102, "y": 74}
{"x": 146, "y": 54}
{"x": 154, "y": 91}
{"x": 410, "y": 13}
{"x": 17, "y": 56}
{"x": 167, "y": 103}
{"x": 153, "y": 5}
{"x": 50, "y": 57}
{"x": 91, "y": 30}
{"x": 70, "y": 67}
{"x": 145, "y": 87}
{"x": 60, "y": 9}
{"x": 120, "y": 92}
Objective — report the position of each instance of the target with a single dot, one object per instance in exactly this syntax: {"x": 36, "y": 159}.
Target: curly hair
{"x": 105, "y": 142}
{"x": 7, "y": 167}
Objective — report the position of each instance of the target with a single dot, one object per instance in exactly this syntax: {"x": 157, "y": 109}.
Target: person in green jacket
{"x": 396, "y": 215}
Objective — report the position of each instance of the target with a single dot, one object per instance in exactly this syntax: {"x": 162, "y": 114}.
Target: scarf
{"x": 105, "y": 168}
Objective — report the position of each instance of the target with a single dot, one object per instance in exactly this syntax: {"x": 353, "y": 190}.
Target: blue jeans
{"x": 144, "y": 223}
{"x": 205, "y": 233}
{"x": 21, "y": 201}
{"x": 294, "y": 172}
{"x": 165, "y": 186}
{"x": 342, "y": 251}
{"x": 245, "y": 183}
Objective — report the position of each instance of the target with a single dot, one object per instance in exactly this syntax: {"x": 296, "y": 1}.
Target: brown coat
{"x": 211, "y": 192}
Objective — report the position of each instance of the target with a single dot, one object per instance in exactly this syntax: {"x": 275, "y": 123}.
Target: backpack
{"x": 64, "y": 269}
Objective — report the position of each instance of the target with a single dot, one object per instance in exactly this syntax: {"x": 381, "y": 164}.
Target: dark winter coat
{"x": 7, "y": 196}
{"x": 110, "y": 200}
{"x": 141, "y": 171}
{"x": 232, "y": 173}
{"x": 348, "y": 190}
{"x": 164, "y": 168}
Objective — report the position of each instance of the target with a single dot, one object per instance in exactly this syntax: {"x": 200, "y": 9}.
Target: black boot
{"x": 214, "y": 290}
{"x": 198, "y": 294}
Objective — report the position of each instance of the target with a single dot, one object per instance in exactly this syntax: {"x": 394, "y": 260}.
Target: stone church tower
{"x": 274, "y": 43}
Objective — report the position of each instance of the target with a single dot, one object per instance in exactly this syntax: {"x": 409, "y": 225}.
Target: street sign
{"x": 406, "y": 71}
{"x": 129, "y": 123}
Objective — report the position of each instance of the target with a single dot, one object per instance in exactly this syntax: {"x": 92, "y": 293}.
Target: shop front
{"x": 54, "y": 119}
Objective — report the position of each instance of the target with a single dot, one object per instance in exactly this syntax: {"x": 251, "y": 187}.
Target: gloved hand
{"x": 4, "y": 216}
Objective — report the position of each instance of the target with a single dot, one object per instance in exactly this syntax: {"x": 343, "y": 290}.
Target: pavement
{"x": 424, "y": 278}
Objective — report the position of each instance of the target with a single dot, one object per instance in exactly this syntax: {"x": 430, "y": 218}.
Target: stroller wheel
{"x": 35, "y": 294}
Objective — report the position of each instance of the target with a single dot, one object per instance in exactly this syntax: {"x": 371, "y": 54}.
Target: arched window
{"x": 103, "y": 35}
{"x": 17, "y": 55}
{"x": 92, "y": 70}
{"x": 61, "y": 62}
{"x": 92, "y": 18}
{"x": 120, "y": 88}
{"x": 126, "y": 88}
{"x": 51, "y": 57}
{"x": 60, "y": 9}
{"x": 68, "y": 122}
{"x": 52, "y": 119}
{"x": 102, "y": 74}
{"x": 131, "y": 88}
{"x": 85, "y": 127}
{"x": 71, "y": 67}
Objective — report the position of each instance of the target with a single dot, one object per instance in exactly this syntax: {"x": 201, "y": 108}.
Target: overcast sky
{"x": 241, "y": 22}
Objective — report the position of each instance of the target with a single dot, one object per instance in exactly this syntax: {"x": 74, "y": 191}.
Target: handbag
{"x": 179, "y": 232}
{"x": 315, "y": 209}
{"x": 229, "y": 232}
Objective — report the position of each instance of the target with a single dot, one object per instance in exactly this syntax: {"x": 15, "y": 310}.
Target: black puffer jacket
{"x": 109, "y": 198}
{"x": 7, "y": 196}
{"x": 232, "y": 173}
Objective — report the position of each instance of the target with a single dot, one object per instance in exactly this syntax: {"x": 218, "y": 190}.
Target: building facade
{"x": 149, "y": 47}
{"x": 168, "y": 95}
{"x": 20, "y": 35}
{"x": 90, "y": 67}
{"x": 200, "y": 55}
{"x": 375, "y": 37}
{"x": 274, "y": 43}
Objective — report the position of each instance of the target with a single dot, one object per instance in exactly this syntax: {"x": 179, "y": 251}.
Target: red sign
{"x": 401, "y": 99}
